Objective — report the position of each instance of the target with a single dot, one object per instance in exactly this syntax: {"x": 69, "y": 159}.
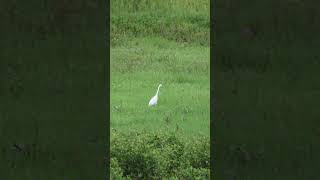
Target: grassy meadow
{"x": 155, "y": 42}
{"x": 136, "y": 70}
{"x": 149, "y": 47}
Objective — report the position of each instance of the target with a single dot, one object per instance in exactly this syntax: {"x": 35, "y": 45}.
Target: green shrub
{"x": 154, "y": 155}
{"x": 194, "y": 173}
{"x": 198, "y": 152}
{"x": 116, "y": 172}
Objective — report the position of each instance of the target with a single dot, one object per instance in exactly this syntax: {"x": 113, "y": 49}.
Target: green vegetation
{"x": 161, "y": 154}
{"x": 182, "y": 21}
{"x": 155, "y": 42}
{"x": 139, "y": 67}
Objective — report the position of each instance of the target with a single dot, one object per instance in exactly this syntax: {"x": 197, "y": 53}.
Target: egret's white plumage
{"x": 154, "y": 100}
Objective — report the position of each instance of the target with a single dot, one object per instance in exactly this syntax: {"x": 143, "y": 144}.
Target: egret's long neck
{"x": 158, "y": 90}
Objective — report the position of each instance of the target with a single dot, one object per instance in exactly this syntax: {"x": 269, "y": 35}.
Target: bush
{"x": 158, "y": 155}
{"x": 116, "y": 172}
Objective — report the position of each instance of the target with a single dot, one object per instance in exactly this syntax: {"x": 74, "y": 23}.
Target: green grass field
{"x": 136, "y": 70}
{"x": 150, "y": 46}
{"x": 157, "y": 42}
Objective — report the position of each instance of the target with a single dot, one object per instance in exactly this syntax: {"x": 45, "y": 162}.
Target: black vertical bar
{"x": 211, "y": 90}
{"x": 107, "y": 80}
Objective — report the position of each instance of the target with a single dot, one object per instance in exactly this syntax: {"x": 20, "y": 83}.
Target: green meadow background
{"x": 155, "y": 42}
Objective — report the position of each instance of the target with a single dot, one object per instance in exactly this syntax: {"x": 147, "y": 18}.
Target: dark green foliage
{"x": 159, "y": 155}
{"x": 179, "y": 29}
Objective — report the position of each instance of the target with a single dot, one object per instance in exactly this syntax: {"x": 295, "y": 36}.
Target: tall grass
{"x": 166, "y": 6}
{"x": 181, "y": 21}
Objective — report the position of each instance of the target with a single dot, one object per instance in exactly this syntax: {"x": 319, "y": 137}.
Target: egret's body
{"x": 154, "y": 100}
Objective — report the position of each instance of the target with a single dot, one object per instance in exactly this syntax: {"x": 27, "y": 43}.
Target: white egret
{"x": 154, "y": 100}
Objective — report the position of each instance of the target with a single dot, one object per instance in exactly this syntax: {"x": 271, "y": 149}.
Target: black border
{"x": 212, "y": 37}
{"x": 107, "y": 76}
